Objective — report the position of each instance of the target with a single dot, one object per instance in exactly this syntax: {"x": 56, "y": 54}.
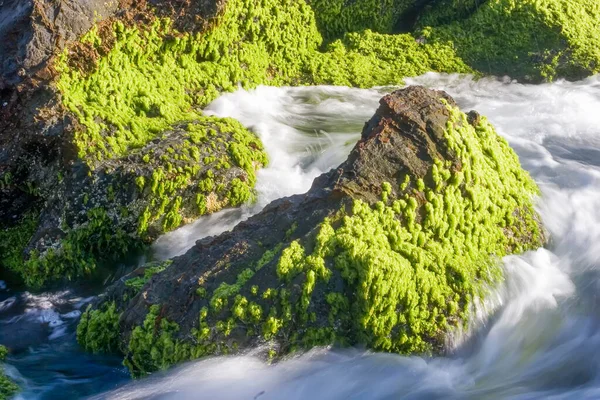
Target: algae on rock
{"x": 195, "y": 168}
{"x": 151, "y": 83}
{"x": 338, "y": 17}
{"x": 389, "y": 250}
{"x": 529, "y": 40}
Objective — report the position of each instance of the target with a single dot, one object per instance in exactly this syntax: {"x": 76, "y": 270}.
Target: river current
{"x": 537, "y": 336}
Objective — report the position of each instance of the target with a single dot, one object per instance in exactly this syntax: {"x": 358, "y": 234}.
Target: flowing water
{"x": 538, "y": 336}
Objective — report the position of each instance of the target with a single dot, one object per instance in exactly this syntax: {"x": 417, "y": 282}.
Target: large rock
{"x": 388, "y": 250}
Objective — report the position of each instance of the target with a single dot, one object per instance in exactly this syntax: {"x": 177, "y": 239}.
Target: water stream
{"x": 538, "y": 336}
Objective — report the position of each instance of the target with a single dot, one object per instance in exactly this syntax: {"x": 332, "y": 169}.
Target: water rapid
{"x": 537, "y": 336}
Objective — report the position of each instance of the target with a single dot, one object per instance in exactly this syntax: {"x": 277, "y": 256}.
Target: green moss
{"x": 370, "y": 59}
{"x": 7, "y": 387}
{"x": 530, "y": 39}
{"x": 165, "y": 77}
{"x": 139, "y": 281}
{"x": 442, "y": 12}
{"x": 78, "y": 252}
{"x": 152, "y": 346}
{"x": 337, "y": 17}
{"x": 98, "y": 330}
{"x": 14, "y": 240}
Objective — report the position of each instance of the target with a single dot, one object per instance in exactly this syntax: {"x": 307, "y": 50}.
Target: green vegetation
{"x": 7, "y": 387}
{"x": 14, "y": 240}
{"x": 370, "y": 59}
{"x": 139, "y": 281}
{"x": 529, "y": 39}
{"x": 165, "y": 76}
{"x": 98, "y": 330}
{"x": 79, "y": 251}
{"x": 152, "y": 346}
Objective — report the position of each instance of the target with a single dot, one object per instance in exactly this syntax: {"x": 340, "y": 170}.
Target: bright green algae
{"x": 153, "y": 78}
{"x": 98, "y": 330}
{"x": 7, "y": 387}
{"x": 525, "y": 39}
{"x": 396, "y": 276}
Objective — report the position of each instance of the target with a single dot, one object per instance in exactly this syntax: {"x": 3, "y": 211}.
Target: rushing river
{"x": 538, "y": 336}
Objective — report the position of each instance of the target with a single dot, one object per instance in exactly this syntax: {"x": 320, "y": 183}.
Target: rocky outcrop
{"x": 388, "y": 250}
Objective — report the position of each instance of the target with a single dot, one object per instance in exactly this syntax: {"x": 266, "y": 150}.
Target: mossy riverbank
{"x": 128, "y": 84}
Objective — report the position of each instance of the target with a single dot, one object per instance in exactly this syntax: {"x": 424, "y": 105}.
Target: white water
{"x": 538, "y": 336}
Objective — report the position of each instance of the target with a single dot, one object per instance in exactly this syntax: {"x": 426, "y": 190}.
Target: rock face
{"x": 32, "y": 31}
{"x": 389, "y": 250}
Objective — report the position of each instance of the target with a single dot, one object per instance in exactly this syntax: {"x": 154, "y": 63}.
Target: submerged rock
{"x": 389, "y": 250}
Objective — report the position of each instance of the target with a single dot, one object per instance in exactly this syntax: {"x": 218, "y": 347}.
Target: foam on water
{"x": 536, "y": 336}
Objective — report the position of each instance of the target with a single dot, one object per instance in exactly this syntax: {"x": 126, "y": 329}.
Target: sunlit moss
{"x": 165, "y": 77}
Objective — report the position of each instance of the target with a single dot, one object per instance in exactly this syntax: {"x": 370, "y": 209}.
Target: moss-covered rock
{"x": 7, "y": 387}
{"x": 528, "y": 40}
{"x": 192, "y": 169}
{"x": 389, "y": 250}
{"x": 337, "y": 17}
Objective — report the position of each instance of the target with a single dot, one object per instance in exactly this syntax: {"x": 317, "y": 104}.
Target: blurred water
{"x": 538, "y": 336}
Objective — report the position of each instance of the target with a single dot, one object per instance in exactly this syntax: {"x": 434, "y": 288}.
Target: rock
{"x": 32, "y": 31}
{"x": 389, "y": 250}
